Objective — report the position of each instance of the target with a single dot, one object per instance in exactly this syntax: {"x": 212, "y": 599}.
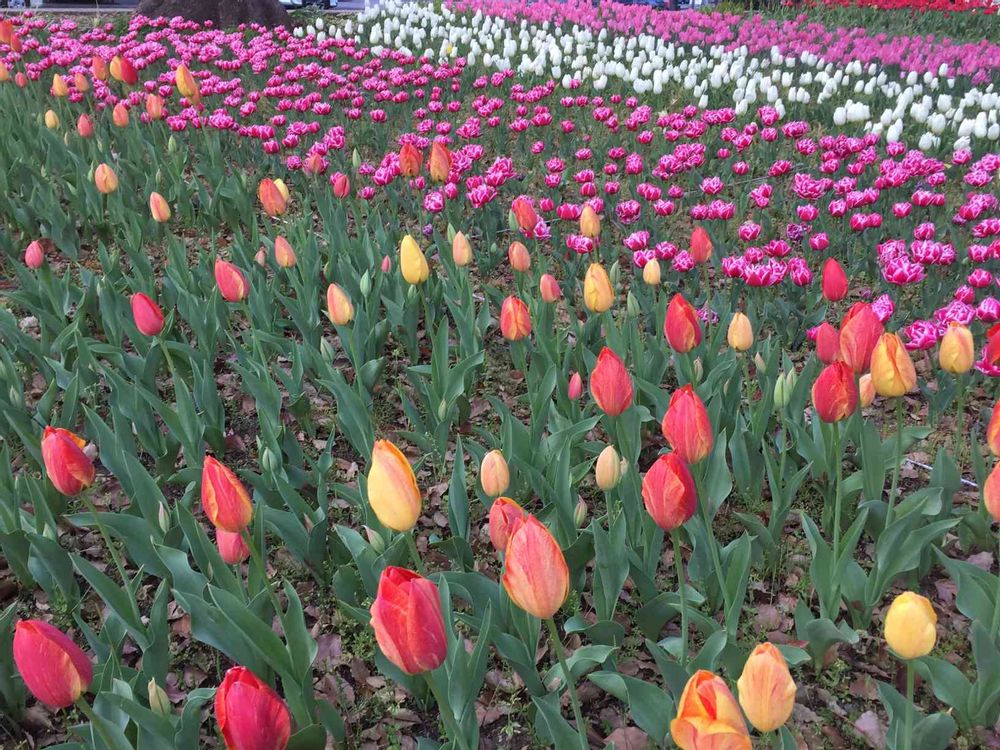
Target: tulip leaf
{"x": 312, "y": 737}
{"x": 552, "y": 728}
{"x": 650, "y": 706}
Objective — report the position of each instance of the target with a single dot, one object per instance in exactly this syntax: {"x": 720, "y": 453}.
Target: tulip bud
{"x": 338, "y": 306}
{"x": 548, "y": 287}
{"x": 740, "y": 333}
{"x": 412, "y": 262}
{"x": 119, "y": 115}
{"x": 105, "y": 179}
{"x": 515, "y": 319}
{"x": 957, "y": 352}
{"x": 834, "y": 393}
{"x": 159, "y": 209}
{"x": 766, "y": 689}
{"x": 53, "y": 667}
{"x": 59, "y": 86}
{"x": 260, "y": 257}
{"x": 393, "y": 493}
{"x": 147, "y": 315}
{"x": 154, "y": 107}
{"x": 461, "y": 250}
{"x": 159, "y": 703}
{"x": 273, "y": 200}
{"x": 408, "y": 623}
{"x": 590, "y": 223}
{"x": 681, "y": 326}
{"x": 686, "y": 426}
{"x": 284, "y": 255}
{"x": 524, "y": 215}
{"x": 893, "y": 373}
{"x": 610, "y": 384}
{"x": 375, "y": 539}
{"x": 172, "y": 145}
{"x": 410, "y": 160}
{"x": 535, "y": 575}
{"x": 701, "y": 245}
{"x": 911, "y": 626}
{"x": 163, "y": 518}
{"x": 80, "y": 83}
{"x": 505, "y": 514}
{"x": 386, "y": 264}
{"x": 355, "y": 159}
{"x": 608, "y": 471}
{"x": 341, "y": 185}
{"x": 84, "y": 126}
{"x": 866, "y": 390}
{"x": 598, "y": 295}
{"x": 783, "y": 388}
{"x": 439, "y": 163}
{"x": 51, "y": 120}
{"x": 250, "y": 714}
{"x": 34, "y": 255}
{"x": 708, "y": 716}
{"x": 230, "y": 281}
{"x": 668, "y": 492}
{"x": 518, "y": 256}
{"x": 574, "y": 389}
{"x": 186, "y": 84}
{"x": 68, "y": 468}
{"x": 651, "y": 273}
{"x": 834, "y": 281}
{"x": 233, "y": 548}
{"x": 494, "y": 475}
{"x": 859, "y": 333}
{"x": 511, "y": 221}
{"x": 4, "y": 73}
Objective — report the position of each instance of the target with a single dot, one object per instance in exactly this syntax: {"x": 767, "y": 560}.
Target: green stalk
{"x": 958, "y": 441}
{"x": 581, "y": 729}
{"x": 112, "y": 550}
{"x": 995, "y": 626}
{"x": 412, "y": 546}
{"x": 899, "y": 460}
{"x": 258, "y": 560}
{"x": 713, "y": 545}
{"x": 838, "y": 471}
{"x": 679, "y": 566}
{"x": 454, "y": 731}
{"x": 87, "y": 711}
{"x": 910, "y": 679}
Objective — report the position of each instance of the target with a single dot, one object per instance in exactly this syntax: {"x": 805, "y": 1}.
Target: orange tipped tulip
{"x": 68, "y": 468}
{"x": 859, "y": 333}
{"x": 410, "y": 160}
{"x": 250, "y": 714}
{"x": 439, "y": 163}
{"x": 123, "y": 70}
{"x": 701, "y": 245}
{"x": 99, "y": 68}
{"x": 598, "y": 294}
{"x": 186, "y": 83}
{"x": 549, "y": 288}
{"x": 494, "y": 474}
{"x": 84, "y": 126}
{"x": 524, "y": 213}
{"x": 766, "y": 689}
{"x": 393, "y": 493}
{"x": 461, "y": 250}
{"x": 407, "y": 620}
{"x": 231, "y": 282}
{"x": 224, "y": 499}
{"x": 233, "y": 548}
{"x": 681, "y": 326}
{"x": 835, "y": 394}
{"x": 119, "y": 115}
{"x": 893, "y": 373}
{"x": 993, "y": 430}
{"x": 53, "y": 667}
{"x": 686, "y": 426}
{"x": 991, "y": 493}
{"x": 273, "y": 200}
{"x": 284, "y": 255}
{"x": 610, "y": 383}
{"x": 590, "y": 222}
{"x": 834, "y": 281}
{"x": 59, "y": 86}
{"x": 159, "y": 209}
{"x": 668, "y": 492}
{"x": 515, "y": 319}
{"x": 154, "y": 106}
{"x": 105, "y": 179}
{"x": 957, "y": 352}
{"x": 535, "y": 575}
{"x": 518, "y": 256}
{"x": 338, "y": 306}
{"x": 827, "y": 344}
{"x": 505, "y": 514}
{"x": 147, "y": 315}
{"x": 708, "y": 717}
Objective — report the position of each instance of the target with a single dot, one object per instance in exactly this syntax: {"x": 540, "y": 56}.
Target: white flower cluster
{"x": 317, "y": 30}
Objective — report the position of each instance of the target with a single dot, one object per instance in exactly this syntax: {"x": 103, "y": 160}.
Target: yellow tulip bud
{"x": 494, "y": 476}
{"x": 590, "y": 222}
{"x": 598, "y": 295}
{"x": 911, "y": 626}
{"x": 957, "y": 353}
{"x": 766, "y": 689}
{"x": 412, "y": 262}
{"x": 461, "y": 250}
{"x": 740, "y": 334}
{"x": 608, "y": 471}
{"x": 392, "y": 488}
{"x": 338, "y": 305}
{"x": 651, "y": 273}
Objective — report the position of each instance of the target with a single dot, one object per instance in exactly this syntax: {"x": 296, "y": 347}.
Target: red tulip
{"x": 224, "y": 499}
{"x": 34, "y": 255}
{"x": 251, "y": 716}
{"x": 992, "y": 354}
{"x": 827, "y": 344}
{"x": 834, "y": 281}
{"x": 505, "y": 514}
{"x": 515, "y": 319}
{"x": 574, "y": 389}
{"x": 524, "y": 213}
{"x": 668, "y": 492}
{"x": 407, "y": 619}
{"x": 686, "y": 426}
{"x": 123, "y": 70}
{"x": 410, "y": 160}
{"x": 993, "y": 431}
{"x": 272, "y": 198}
{"x": 341, "y": 185}
{"x": 535, "y": 575}
{"x": 701, "y": 245}
{"x": 610, "y": 384}
{"x": 859, "y": 333}
{"x": 66, "y": 465}
{"x": 439, "y": 163}
{"x": 147, "y": 315}
{"x": 55, "y": 669}
{"x": 233, "y": 548}
{"x": 835, "y": 394}
{"x": 231, "y": 281}
{"x": 681, "y": 326}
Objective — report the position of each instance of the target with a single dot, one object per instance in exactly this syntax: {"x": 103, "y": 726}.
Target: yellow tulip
{"x": 412, "y": 262}
{"x": 911, "y": 626}
{"x": 597, "y": 292}
{"x": 392, "y": 488}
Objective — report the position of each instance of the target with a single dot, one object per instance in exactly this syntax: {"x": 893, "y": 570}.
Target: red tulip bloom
{"x": 55, "y": 669}
{"x": 231, "y": 281}
{"x": 515, "y": 319}
{"x": 147, "y": 315}
{"x": 505, "y": 514}
{"x": 701, "y": 245}
{"x": 834, "y": 281}
{"x": 992, "y": 354}
{"x": 827, "y": 344}
{"x": 835, "y": 394}
{"x": 341, "y": 185}
{"x": 681, "y": 326}
{"x": 251, "y": 716}
{"x": 610, "y": 383}
{"x": 225, "y": 500}
{"x": 859, "y": 333}
{"x": 668, "y": 492}
{"x": 410, "y": 160}
{"x": 525, "y": 214}
{"x": 407, "y": 619}
{"x": 66, "y": 465}
{"x": 686, "y": 426}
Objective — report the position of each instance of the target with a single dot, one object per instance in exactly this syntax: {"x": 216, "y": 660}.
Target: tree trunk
{"x": 222, "y": 13}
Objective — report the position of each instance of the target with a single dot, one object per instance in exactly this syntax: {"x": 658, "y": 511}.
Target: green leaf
{"x": 651, "y": 707}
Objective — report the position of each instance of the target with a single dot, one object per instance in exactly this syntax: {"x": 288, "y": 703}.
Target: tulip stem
{"x": 679, "y": 565}
{"x": 451, "y": 723}
{"x": 838, "y": 472}
{"x": 412, "y": 546}
{"x": 749, "y": 384}
{"x": 908, "y": 731}
{"x": 570, "y": 687}
{"x": 713, "y": 545}
{"x": 899, "y": 461}
{"x": 87, "y": 711}
{"x": 112, "y": 550}
{"x": 958, "y": 441}
{"x": 995, "y": 626}
{"x": 258, "y": 561}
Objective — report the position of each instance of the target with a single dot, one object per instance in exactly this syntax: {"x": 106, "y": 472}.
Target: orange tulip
{"x": 859, "y": 332}
{"x": 708, "y": 717}
{"x": 515, "y": 319}
{"x": 834, "y": 282}
{"x": 957, "y": 352}
{"x": 991, "y": 492}
{"x": 835, "y": 394}
{"x": 393, "y": 493}
{"x": 99, "y": 68}
{"x": 105, "y": 179}
{"x": 439, "y": 163}
{"x": 119, "y": 115}
{"x": 766, "y": 689}
{"x": 686, "y": 426}
{"x": 59, "y": 86}
{"x": 338, "y": 306}
{"x": 668, "y": 492}
{"x": 68, "y": 468}
{"x": 123, "y": 70}
{"x": 231, "y": 282}
{"x": 461, "y": 250}
{"x": 159, "y": 209}
{"x": 407, "y": 620}
{"x": 224, "y": 499}
{"x": 410, "y": 160}
{"x": 610, "y": 383}
{"x": 893, "y": 373}
{"x": 598, "y": 294}
{"x": 740, "y": 333}
{"x": 520, "y": 259}
{"x": 53, "y": 667}
{"x": 80, "y": 83}
{"x": 590, "y": 222}
{"x": 4, "y": 73}
{"x": 505, "y": 514}
{"x": 154, "y": 106}
{"x": 186, "y": 83}
{"x": 701, "y": 245}
{"x": 272, "y": 198}
{"x": 681, "y": 326}
{"x": 549, "y": 288}
{"x": 866, "y": 390}
{"x": 524, "y": 213}
{"x": 535, "y": 575}
{"x": 993, "y": 430}
{"x": 494, "y": 474}
{"x": 84, "y": 126}
{"x": 284, "y": 255}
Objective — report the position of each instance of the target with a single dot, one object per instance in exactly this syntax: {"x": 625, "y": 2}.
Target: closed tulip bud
{"x": 549, "y": 288}
{"x": 231, "y": 282}
{"x": 834, "y": 281}
{"x": 590, "y": 222}
{"x": 105, "y": 179}
{"x": 154, "y": 106}
{"x": 701, "y": 245}
{"x": 574, "y": 389}
{"x": 159, "y": 703}
{"x": 375, "y": 539}
{"x": 186, "y": 83}
{"x": 893, "y": 373}
{"x": 608, "y": 471}
{"x": 338, "y": 306}
{"x": 172, "y": 145}
{"x": 651, "y": 273}
{"x": 163, "y": 518}
{"x": 911, "y": 626}
{"x": 993, "y": 430}
{"x": 580, "y": 514}
{"x": 224, "y": 499}
{"x": 610, "y": 383}
{"x": 598, "y": 294}
{"x": 827, "y": 344}
{"x": 119, "y": 115}
{"x": 957, "y": 352}
{"x": 783, "y": 387}
{"x": 708, "y": 717}
{"x": 53, "y": 668}
{"x": 681, "y": 326}
{"x": 21, "y": 80}
{"x": 159, "y": 209}
{"x": 740, "y": 333}
{"x": 439, "y": 163}
{"x": 494, "y": 474}
{"x": 392, "y": 488}
{"x": 412, "y": 262}
{"x": 365, "y": 284}
{"x": 668, "y": 492}
{"x": 535, "y": 575}
{"x": 250, "y": 714}
{"x": 991, "y": 492}
{"x": 866, "y": 390}
{"x": 461, "y": 250}
{"x": 766, "y": 689}
{"x": 686, "y": 426}
{"x": 232, "y": 548}
{"x": 341, "y": 185}
{"x": 34, "y": 255}
{"x": 524, "y": 214}
{"x": 260, "y": 257}
{"x": 272, "y": 199}
{"x": 59, "y": 86}
{"x": 407, "y": 620}
{"x": 515, "y": 319}
{"x": 284, "y": 255}
{"x": 387, "y": 264}
{"x": 99, "y": 68}
{"x": 410, "y": 160}
{"x": 4, "y": 73}
{"x": 80, "y": 83}
{"x": 51, "y": 120}
{"x": 859, "y": 333}
{"x": 147, "y": 315}
{"x": 518, "y": 256}
{"x": 68, "y": 468}
{"x": 84, "y": 126}
{"x": 834, "y": 393}
{"x": 505, "y": 514}
{"x": 123, "y": 70}
{"x": 511, "y": 221}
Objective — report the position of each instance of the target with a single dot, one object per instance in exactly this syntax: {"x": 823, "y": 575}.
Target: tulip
{"x": 992, "y": 353}
{"x": 386, "y": 264}
{"x": 494, "y": 474}
{"x": 708, "y": 717}
{"x": 159, "y": 703}
{"x": 147, "y": 315}
{"x": 250, "y": 714}
{"x": 686, "y": 426}
{"x": 338, "y": 306}
{"x": 681, "y": 325}
{"x": 574, "y": 388}
{"x": 834, "y": 281}
{"x": 80, "y": 83}
{"x": 991, "y": 493}
{"x": 549, "y": 288}
{"x": 893, "y": 373}
{"x": 119, "y": 115}
{"x": 186, "y": 84}
{"x": 51, "y": 120}
{"x": 393, "y": 493}
{"x": 233, "y": 548}
{"x": 766, "y": 689}
{"x": 668, "y": 492}
{"x": 99, "y": 68}
{"x": 273, "y": 200}
{"x": 866, "y": 390}
{"x": 524, "y": 214}
{"x": 68, "y": 468}
{"x": 993, "y": 430}
{"x": 407, "y": 620}
{"x": 827, "y": 344}
{"x": 957, "y": 352}
{"x": 609, "y": 469}
{"x": 224, "y": 499}
{"x": 282, "y": 188}
{"x": 412, "y": 262}
{"x": 159, "y": 209}
{"x": 505, "y": 514}
{"x": 518, "y": 256}
{"x": 610, "y": 383}
{"x": 598, "y": 294}
{"x": 651, "y": 273}
{"x": 231, "y": 282}
{"x": 4, "y": 73}
{"x": 284, "y": 255}
{"x": 84, "y": 126}
{"x": 154, "y": 106}
{"x": 740, "y": 333}
{"x": 341, "y": 185}
{"x": 835, "y": 394}
{"x": 439, "y": 163}
{"x": 859, "y": 333}
{"x": 59, "y": 86}
{"x": 515, "y": 319}
{"x": 910, "y": 626}
{"x": 410, "y": 160}
{"x": 701, "y": 245}
{"x": 105, "y": 179}
{"x": 590, "y": 223}
{"x": 53, "y": 667}
{"x": 535, "y": 573}
{"x": 34, "y": 255}
{"x": 123, "y": 70}
{"x": 461, "y": 250}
